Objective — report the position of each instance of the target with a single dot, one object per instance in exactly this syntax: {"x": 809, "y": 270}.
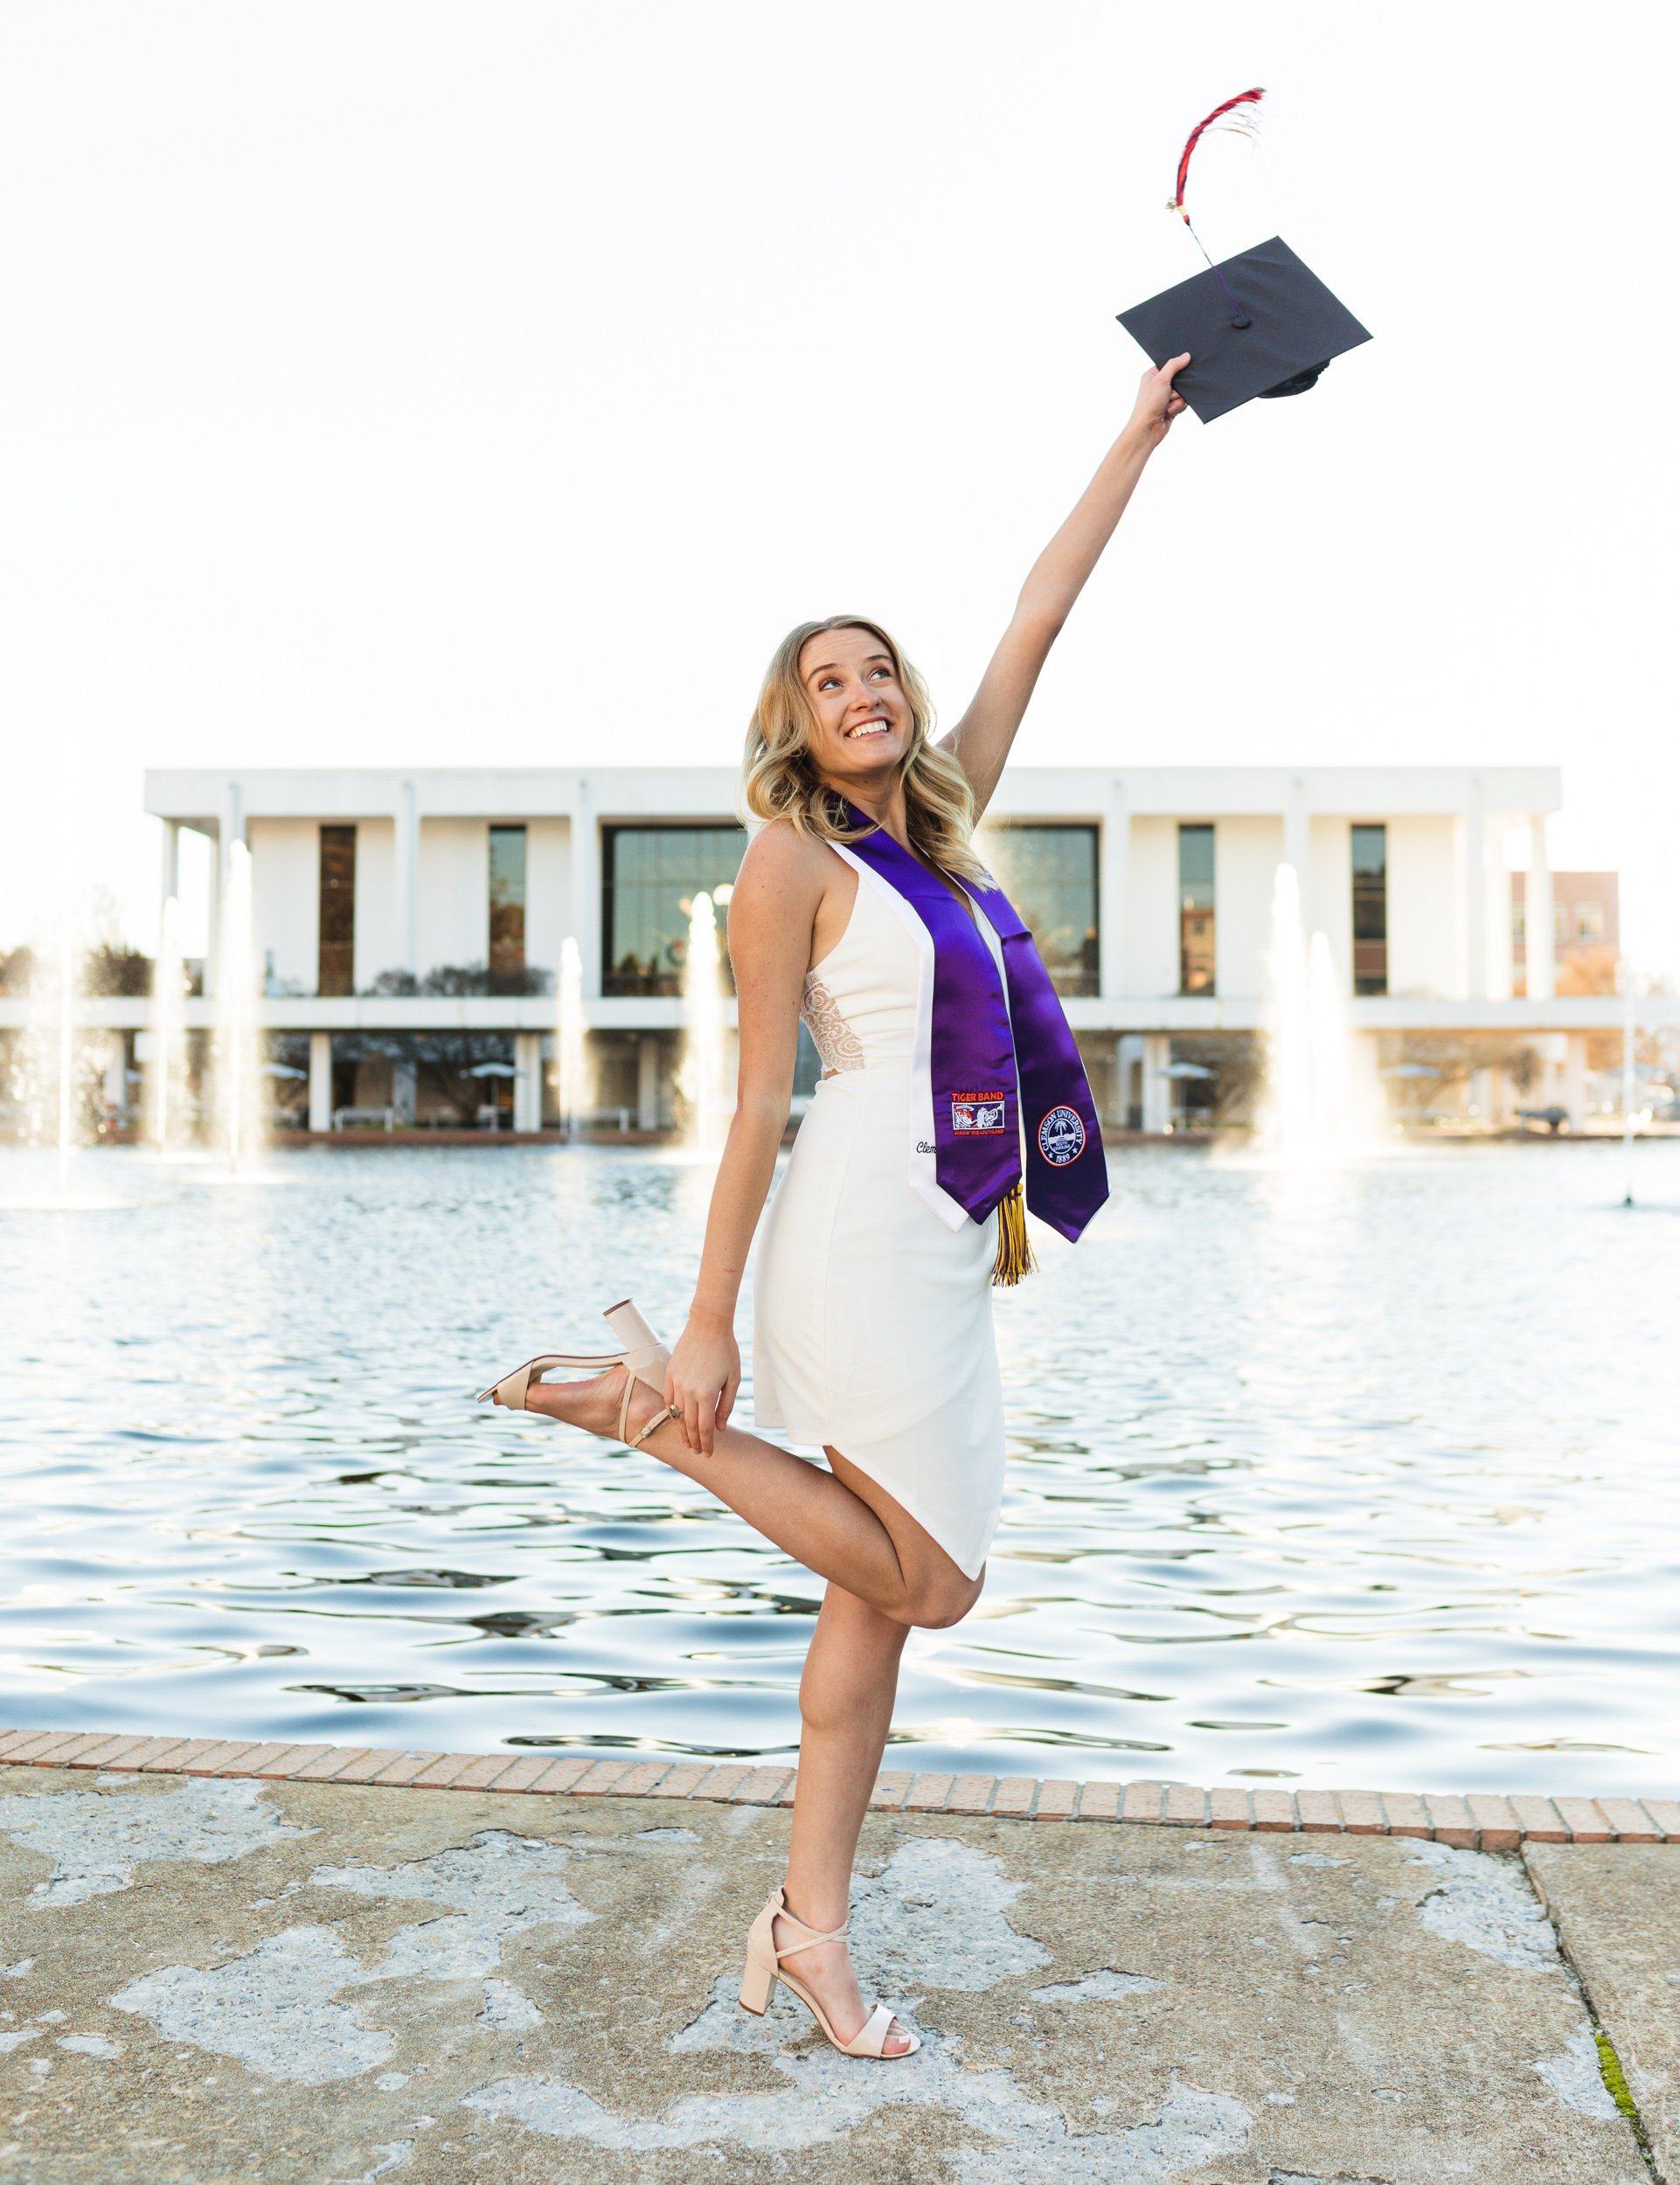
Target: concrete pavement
{"x": 1617, "y": 1911}
{"x": 219, "y": 1978}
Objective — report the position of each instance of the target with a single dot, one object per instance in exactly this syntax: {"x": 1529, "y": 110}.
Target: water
{"x": 1356, "y": 1477}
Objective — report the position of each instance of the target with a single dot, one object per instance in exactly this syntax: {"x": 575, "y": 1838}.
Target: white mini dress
{"x": 873, "y": 1319}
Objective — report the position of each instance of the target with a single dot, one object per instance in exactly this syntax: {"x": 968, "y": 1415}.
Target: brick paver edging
{"x": 1480, "y": 1822}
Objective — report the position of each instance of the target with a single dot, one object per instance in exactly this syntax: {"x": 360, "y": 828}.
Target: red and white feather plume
{"x": 1238, "y": 114}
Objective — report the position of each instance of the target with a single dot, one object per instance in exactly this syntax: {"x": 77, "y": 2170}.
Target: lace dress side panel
{"x": 837, "y": 1042}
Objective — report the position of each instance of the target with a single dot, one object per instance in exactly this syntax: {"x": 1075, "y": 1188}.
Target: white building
{"x": 1151, "y": 890}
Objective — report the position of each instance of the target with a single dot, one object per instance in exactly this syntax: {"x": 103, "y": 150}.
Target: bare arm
{"x": 771, "y": 912}
{"x": 982, "y": 739}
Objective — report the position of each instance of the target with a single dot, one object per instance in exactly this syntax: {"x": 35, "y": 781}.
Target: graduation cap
{"x": 1257, "y": 326}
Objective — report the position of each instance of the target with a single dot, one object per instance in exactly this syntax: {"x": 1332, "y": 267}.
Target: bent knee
{"x": 937, "y": 1607}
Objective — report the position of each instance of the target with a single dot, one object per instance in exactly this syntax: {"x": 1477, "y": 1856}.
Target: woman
{"x": 873, "y": 1335}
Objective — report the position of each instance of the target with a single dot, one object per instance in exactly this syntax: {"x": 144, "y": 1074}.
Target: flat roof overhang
{"x": 673, "y": 794}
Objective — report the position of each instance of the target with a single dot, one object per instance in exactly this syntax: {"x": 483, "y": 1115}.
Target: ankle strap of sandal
{"x": 811, "y": 1936}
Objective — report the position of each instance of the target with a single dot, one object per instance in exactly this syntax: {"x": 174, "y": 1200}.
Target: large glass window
{"x": 1370, "y": 910}
{"x": 652, "y": 875}
{"x": 508, "y": 900}
{"x": 1196, "y": 908}
{"x": 336, "y": 966}
{"x": 1050, "y": 874}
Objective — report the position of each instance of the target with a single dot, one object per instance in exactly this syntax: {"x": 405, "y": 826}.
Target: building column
{"x": 1157, "y": 1086}
{"x": 1367, "y": 1116}
{"x": 1116, "y": 854}
{"x": 586, "y": 888}
{"x": 213, "y": 916}
{"x": 406, "y": 870}
{"x": 232, "y": 824}
{"x": 170, "y": 878}
{"x": 1539, "y": 945}
{"x": 1298, "y": 837}
{"x": 1473, "y": 851}
{"x": 402, "y": 1093}
{"x": 320, "y": 1080}
{"x": 169, "y": 891}
{"x": 230, "y": 828}
{"x": 646, "y": 1081}
{"x": 1128, "y": 1054}
{"x": 116, "y": 1074}
{"x": 528, "y": 1081}
{"x": 1574, "y": 1084}
{"x": 1546, "y": 1090}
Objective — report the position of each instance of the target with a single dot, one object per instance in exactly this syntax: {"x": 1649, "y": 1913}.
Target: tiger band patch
{"x": 979, "y": 1114}
{"x": 1062, "y": 1136}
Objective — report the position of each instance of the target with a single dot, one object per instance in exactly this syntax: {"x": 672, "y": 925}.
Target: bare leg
{"x": 845, "y": 1706}
{"x": 886, "y": 1573}
{"x": 838, "y": 1523}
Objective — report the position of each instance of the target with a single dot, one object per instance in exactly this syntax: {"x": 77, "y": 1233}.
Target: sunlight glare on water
{"x": 1357, "y": 1477}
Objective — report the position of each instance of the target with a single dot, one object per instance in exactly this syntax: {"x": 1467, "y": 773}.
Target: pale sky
{"x": 416, "y": 384}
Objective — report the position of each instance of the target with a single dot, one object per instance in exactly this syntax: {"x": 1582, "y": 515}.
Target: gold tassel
{"x": 1015, "y": 1258}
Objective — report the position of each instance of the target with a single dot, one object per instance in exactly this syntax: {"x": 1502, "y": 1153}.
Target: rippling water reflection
{"x": 1362, "y": 1478}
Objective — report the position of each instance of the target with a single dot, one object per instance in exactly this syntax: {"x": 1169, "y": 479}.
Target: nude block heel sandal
{"x": 764, "y": 1969}
{"x": 644, "y": 1358}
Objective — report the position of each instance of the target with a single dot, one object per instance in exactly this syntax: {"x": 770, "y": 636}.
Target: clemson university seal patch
{"x": 1061, "y": 1137}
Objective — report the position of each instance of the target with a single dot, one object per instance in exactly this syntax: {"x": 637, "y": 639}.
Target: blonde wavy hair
{"x": 780, "y": 779}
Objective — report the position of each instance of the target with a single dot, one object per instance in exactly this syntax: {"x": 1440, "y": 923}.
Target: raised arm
{"x": 982, "y": 739}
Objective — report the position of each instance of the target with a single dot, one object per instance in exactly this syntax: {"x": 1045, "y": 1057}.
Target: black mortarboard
{"x": 1260, "y": 324}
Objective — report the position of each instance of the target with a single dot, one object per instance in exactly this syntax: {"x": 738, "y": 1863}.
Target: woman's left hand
{"x": 702, "y": 1381}
{"x": 1157, "y": 402}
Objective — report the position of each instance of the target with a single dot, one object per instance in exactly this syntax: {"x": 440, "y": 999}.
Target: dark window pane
{"x": 507, "y": 899}
{"x": 1370, "y": 910}
{"x": 1196, "y": 908}
{"x": 651, "y": 878}
{"x": 1049, "y": 875}
{"x": 336, "y": 966}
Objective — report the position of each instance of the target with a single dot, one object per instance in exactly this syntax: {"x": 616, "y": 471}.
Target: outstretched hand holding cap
{"x": 1258, "y": 325}
{"x": 1158, "y": 400}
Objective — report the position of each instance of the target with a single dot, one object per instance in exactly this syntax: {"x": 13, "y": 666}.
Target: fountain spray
{"x": 67, "y": 1053}
{"x": 236, "y": 1028}
{"x": 1305, "y": 1107}
{"x": 1627, "y": 1082}
{"x": 168, "y": 982}
{"x": 568, "y": 1040}
{"x": 703, "y": 1068}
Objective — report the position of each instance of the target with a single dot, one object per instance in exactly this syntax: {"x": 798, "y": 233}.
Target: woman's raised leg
{"x": 838, "y": 1523}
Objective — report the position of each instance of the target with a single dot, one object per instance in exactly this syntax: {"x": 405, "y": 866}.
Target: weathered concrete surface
{"x": 316, "y": 1984}
{"x": 1617, "y": 1907}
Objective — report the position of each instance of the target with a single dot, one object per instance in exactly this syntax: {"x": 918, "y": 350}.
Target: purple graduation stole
{"x": 987, "y": 1061}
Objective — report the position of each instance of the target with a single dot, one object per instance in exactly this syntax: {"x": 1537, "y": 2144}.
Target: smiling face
{"x": 862, "y": 724}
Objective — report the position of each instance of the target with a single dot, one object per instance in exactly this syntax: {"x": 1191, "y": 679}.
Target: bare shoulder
{"x": 781, "y": 864}
{"x": 773, "y": 907}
